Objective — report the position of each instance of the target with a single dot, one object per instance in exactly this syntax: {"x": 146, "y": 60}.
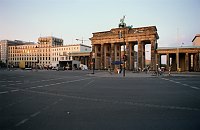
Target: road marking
{"x": 14, "y": 90}
{"x": 12, "y": 84}
{"x": 89, "y": 84}
{"x": 35, "y": 114}
{"x": 10, "y": 81}
{"x": 194, "y": 87}
{"x": 190, "y": 86}
{"x": 20, "y": 82}
{"x": 47, "y": 85}
{"x": 4, "y": 92}
{"x": 32, "y": 87}
{"x": 22, "y": 122}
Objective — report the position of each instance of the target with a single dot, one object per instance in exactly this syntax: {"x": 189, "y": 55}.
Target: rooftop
{"x": 182, "y": 47}
{"x": 197, "y": 35}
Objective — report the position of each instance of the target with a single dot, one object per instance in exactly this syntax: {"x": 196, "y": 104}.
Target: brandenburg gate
{"x": 106, "y": 47}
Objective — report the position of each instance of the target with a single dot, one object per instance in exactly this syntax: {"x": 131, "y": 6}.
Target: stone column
{"x": 105, "y": 56}
{"x": 139, "y": 54}
{"x": 186, "y": 62}
{"x": 128, "y": 56}
{"x": 94, "y": 51}
{"x": 131, "y": 46}
{"x": 158, "y": 60}
{"x": 117, "y": 56}
{"x": 112, "y": 54}
{"x": 96, "y": 57}
{"x": 177, "y": 59}
{"x": 153, "y": 55}
{"x": 167, "y": 61}
{"x": 196, "y": 61}
{"x": 143, "y": 55}
{"x": 102, "y": 56}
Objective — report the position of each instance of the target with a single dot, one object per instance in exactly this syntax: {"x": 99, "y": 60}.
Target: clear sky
{"x": 177, "y": 21}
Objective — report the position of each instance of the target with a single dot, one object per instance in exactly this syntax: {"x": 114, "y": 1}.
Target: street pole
{"x": 37, "y": 62}
{"x": 93, "y": 62}
{"x": 93, "y": 66}
{"x": 124, "y": 56}
{"x": 122, "y": 25}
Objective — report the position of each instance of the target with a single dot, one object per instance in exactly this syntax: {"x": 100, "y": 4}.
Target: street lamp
{"x": 37, "y": 58}
{"x": 93, "y": 62}
{"x": 122, "y": 35}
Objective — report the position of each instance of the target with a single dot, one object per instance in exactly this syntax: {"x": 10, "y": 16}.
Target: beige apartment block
{"x": 23, "y": 53}
{"x": 4, "y": 48}
{"x": 46, "y": 53}
{"x": 44, "y": 49}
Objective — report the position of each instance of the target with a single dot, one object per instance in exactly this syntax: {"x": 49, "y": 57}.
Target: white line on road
{"x": 89, "y": 84}
{"x": 193, "y": 87}
{"x": 20, "y": 82}
{"x": 47, "y": 85}
{"x": 15, "y": 90}
{"x": 22, "y": 122}
{"x": 35, "y": 114}
{"x": 4, "y": 92}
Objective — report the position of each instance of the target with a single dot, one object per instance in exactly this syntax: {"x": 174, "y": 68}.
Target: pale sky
{"x": 177, "y": 21}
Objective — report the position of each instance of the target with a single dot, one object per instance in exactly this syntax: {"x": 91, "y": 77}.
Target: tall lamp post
{"x": 37, "y": 62}
{"x": 122, "y": 35}
{"x": 93, "y": 62}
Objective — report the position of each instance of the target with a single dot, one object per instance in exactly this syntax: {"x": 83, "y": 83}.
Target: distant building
{"x": 4, "y": 48}
{"x": 184, "y": 58}
{"x": 78, "y": 52}
{"x": 196, "y": 40}
{"x": 44, "y": 49}
{"x": 26, "y": 53}
{"x": 47, "y": 52}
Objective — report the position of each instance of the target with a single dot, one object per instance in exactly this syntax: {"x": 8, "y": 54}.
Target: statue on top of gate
{"x": 122, "y": 24}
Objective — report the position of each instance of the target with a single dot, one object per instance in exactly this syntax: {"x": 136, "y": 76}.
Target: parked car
{"x": 54, "y": 68}
{"x": 28, "y": 68}
{"x": 60, "y": 68}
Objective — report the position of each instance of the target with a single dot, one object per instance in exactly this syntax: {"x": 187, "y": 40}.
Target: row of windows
{"x": 29, "y": 51}
{"x": 72, "y": 48}
{"x": 44, "y": 62}
{"x": 55, "y": 59}
{"x": 14, "y": 55}
{"x": 30, "y": 58}
{"x": 21, "y": 47}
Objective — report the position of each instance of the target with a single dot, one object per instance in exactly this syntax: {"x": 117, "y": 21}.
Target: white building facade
{"x": 65, "y": 53}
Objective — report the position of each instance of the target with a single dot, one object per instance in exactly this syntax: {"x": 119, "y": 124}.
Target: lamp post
{"x": 122, "y": 35}
{"x": 37, "y": 58}
{"x": 93, "y": 62}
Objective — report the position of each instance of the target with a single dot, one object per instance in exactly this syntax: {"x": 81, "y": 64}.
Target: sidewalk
{"x": 100, "y": 73}
{"x": 127, "y": 74}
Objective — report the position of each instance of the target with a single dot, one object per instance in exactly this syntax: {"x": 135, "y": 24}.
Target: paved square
{"x": 45, "y": 100}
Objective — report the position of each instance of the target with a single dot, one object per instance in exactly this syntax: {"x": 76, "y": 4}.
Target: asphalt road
{"x": 74, "y": 100}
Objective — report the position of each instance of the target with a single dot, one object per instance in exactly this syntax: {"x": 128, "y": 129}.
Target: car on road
{"x": 27, "y": 68}
{"x": 60, "y": 68}
{"x": 54, "y": 68}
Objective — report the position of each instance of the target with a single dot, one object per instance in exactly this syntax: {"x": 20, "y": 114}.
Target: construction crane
{"x": 82, "y": 40}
